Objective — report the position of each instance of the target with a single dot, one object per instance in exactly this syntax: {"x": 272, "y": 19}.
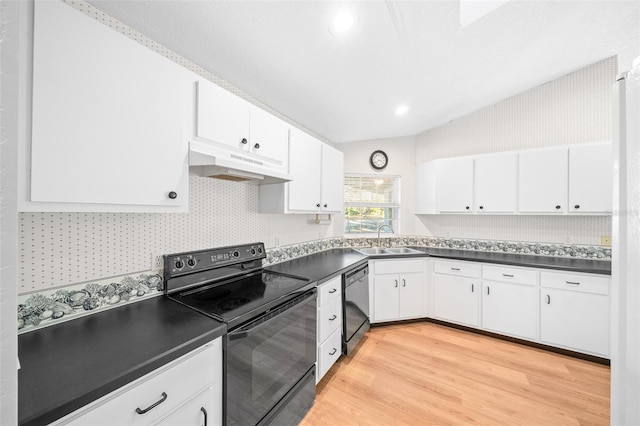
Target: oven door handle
{"x": 269, "y": 317}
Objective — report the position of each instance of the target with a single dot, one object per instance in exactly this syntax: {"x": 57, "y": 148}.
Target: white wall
{"x": 572, "y": 109}
{"x": 401, "y": 152}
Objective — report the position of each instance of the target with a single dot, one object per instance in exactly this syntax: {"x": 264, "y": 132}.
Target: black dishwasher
{"x": 355, "y": 306}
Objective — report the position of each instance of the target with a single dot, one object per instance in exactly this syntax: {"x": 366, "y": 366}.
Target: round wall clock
{"x": 378, "y": 160}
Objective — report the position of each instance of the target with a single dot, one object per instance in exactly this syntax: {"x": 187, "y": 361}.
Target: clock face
{"x": 378, "y": 160}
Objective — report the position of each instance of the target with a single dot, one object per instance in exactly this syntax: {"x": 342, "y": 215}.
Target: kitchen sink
{"x": 387, "y": 251}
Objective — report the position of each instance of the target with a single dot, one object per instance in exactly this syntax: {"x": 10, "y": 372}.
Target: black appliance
{"x": 270, "y": 346}
{"x": 355, "y": 306}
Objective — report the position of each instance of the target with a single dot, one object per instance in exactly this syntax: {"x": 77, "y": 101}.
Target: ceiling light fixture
{"x": 402, "y": 109}
{"x": 343, "y": 22}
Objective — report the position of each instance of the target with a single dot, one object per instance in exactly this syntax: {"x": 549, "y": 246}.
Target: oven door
{"x": 267, "y": 357}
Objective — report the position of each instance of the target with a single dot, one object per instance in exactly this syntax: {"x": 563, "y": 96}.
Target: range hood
{"x": 208, "y": 160}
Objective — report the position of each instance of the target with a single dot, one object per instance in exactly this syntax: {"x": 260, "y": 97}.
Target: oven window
{"x": 265, "y": 361}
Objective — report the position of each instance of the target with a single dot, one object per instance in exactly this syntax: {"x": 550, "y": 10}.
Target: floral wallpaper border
{"x": 37, "y": 310}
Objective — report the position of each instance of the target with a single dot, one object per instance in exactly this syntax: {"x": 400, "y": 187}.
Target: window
{"x": 369, "y": 202}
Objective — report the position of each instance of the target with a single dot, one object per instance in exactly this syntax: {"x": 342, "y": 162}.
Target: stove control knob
{"x": 236, "y": 253}
{"x": 260, "y": 250}
{"x": 253, "y": 252}
{"x": 179, "y": 264}
{"x": 191, "y": 262}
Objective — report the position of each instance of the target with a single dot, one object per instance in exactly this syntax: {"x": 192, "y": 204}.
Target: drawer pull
{"x": 488, "y": 290}
{"x": 471, "y": 288}
{"x": 333, "y": 318}
{"x": 333, "y": 352}
{"x": 396, "y": 283}
{"x": 548, "y": 299}
{"x": 455, "y": 269}
{"x": 507, "y": 275}
{"x": 163, "y": 399}
{"x": 404, "y": 283}
{"x": 205, "y": 415}
{"x": 333, "y": 290}
{"x": 572, "y": 282}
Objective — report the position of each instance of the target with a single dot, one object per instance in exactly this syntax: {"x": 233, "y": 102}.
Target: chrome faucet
{"x": 380, "y": 228}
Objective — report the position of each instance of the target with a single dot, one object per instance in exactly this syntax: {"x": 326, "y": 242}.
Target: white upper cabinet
{"x": 318, "y": 179}
{"x": 108, "y": 123}
{"x": 232, "y": 122}
{"x": 591, "y": 178}
{"x": 455, "y": 185}
{"x": 560, "y": 180}
{"x": 543, "y": 181}
{"x": 495, "y": 183}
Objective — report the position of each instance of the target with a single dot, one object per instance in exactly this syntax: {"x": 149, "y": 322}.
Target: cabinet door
{"x": 412, "y": 288}
{"x": 108, "y": 116}
{"x": 574, "y": 320}
{"x": 591, "y": 178}
{"x": 510, "y": 309}
{"x": 269, "y": 136}
{"x": 385, "y": 297}
{"x": 456, "y": 299}
{"x": 495, "y": 183}
{"x": 455, "y": 185}
{"x": 543, "y": 181}
{"x": 332, "y": 186}
{"x": 305, "y": 166}
{"x": 204, "y": 409}
{"x": 221, "y": 116}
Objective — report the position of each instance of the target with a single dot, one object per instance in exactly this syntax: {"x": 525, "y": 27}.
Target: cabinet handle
{"x": 507, "y": 275}
{"x": 488, "y": 290}
{"x": 163, "y": 399}
{"x": 318, "y": 205}
{"x": 471, "y": 288}
{"x": 333, "y": 351}
{"x": 481, "y": 207}
{"x": 333, "y": 318}
{"x": 557, "y": 207}
{"x": 572, "y": 282}
{"x": 333, "y": 290}
{"x": 577, "y": 206}
{"x": 466, "y": 208}
{"x": 244, "y": 141}
{"x": 396, "y": 283}
{"x": 325, "y": 206}
{"x": 205, "y": 415}
{"x": 257, "y": 146}
{"x": 455, "y": 269}
{"x": 548, "y": 299}
{"x": 404, "y": 283}
{"x": 173, "y": 195}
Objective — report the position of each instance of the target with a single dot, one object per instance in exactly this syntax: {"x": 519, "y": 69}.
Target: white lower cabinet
{"x": 398, "y": 290}
{"x": 174, "y": 394}
{"x": 574, "y": 312}
{"x": 456, "y": 290}
{"x": 329, "y": 332}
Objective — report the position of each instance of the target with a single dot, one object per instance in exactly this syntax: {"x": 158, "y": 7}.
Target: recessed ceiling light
{"x": 402, "y": 109}
{"x": 343, "y": 22}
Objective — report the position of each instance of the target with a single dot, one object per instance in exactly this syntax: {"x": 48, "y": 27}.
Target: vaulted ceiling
{"x": 347, "y": 86}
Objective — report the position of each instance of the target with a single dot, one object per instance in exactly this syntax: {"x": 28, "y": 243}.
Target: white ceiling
{"x": 346, "y": 88}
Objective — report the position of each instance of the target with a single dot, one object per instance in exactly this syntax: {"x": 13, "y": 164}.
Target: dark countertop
{"x": 329, "y": 263}
{"x": 68, "y": 365}
{"x": 321, "y": 266}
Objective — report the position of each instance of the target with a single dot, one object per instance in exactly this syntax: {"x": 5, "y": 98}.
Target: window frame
{"x": 395, "y": 205}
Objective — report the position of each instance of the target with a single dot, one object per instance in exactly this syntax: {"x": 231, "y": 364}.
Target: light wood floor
{"x": 422, "y": 373}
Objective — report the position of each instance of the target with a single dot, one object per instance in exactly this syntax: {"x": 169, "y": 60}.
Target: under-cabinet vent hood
{"x": 212, "y": 161}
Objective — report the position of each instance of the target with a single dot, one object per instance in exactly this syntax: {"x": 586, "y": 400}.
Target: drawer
{"x": 329, "y": 291}
{"x": 463, "y": 269}
{"x": 329, "y": 319}
{"x": 510, "y": 275}
{"x": 398, "y": 266}
{"x": 586, "y": 283}
{"x": 179, "y": 381}
{"x": 328, "y": 353}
